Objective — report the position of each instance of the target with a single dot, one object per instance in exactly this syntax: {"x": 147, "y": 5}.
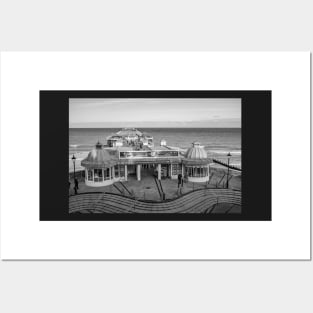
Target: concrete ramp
{"x": 198, "y": 201}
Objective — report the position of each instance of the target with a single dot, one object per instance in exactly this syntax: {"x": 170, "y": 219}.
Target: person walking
{"x": 179, "y": 183}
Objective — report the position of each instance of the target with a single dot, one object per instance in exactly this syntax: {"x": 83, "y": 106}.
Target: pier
{"x": 131, "y": 171}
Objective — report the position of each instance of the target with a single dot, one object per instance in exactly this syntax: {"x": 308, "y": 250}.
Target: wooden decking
{"x": 199, "y": 201}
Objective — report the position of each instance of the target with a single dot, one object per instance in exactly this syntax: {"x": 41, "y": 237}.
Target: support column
{"x": 159, "y": 171}
{"x": 126, "y": 172}
{"x": 138, "y": 172}
{"x": 170, "y": 167}
{"x": 182, "y": 170}
{"x": 113, "y": 168}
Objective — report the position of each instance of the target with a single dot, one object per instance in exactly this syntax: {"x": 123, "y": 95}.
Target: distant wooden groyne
{"x": 232, "y": 167}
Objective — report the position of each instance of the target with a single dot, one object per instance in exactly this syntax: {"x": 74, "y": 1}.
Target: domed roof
{"x": 196, "y": 152}
{"x": 99, "y": 158}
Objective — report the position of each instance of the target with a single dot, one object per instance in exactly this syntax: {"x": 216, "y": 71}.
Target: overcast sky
{"x": 154, "y": 113}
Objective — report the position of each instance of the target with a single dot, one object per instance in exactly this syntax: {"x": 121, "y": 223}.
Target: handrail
{"x": 117, "y": 188}
{"x": 156, "y": 182}
{"x": 126, "y": 188}
{"x": 221, "y": 180}
{"x": 161, "y": 186}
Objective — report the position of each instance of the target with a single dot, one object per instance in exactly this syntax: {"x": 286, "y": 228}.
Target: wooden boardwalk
{"x": 199, "y": 201}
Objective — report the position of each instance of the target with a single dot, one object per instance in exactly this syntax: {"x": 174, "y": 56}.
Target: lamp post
{"x": 74, "y": 159}
{"x": 228, "y": 156}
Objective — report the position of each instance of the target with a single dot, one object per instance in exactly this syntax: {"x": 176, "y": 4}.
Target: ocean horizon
{"x": 218, "y": 142}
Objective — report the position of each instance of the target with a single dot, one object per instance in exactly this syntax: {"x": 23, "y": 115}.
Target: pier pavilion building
{"x": 106, "y": 165}
{"x": 196, "y": 164}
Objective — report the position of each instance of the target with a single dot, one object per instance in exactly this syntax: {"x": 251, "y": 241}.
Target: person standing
{"x": 179, "y": 180}
{"x": 76, "y": 186}
{"x": 179, "y": 183}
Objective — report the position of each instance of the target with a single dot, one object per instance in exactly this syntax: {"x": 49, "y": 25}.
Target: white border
{"x": 23, "y": 236}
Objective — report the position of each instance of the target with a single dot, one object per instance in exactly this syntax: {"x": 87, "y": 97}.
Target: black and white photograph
{"x": 155, "y": 156}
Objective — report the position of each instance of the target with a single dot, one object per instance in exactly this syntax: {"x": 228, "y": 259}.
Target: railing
{"x": 124, "y": 186}
{"x": 148, "y": 154}
{"x": 158, "y": 187}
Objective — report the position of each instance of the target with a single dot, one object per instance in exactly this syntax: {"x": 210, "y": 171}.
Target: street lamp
{"x": 228, "y": 156}
{"x": 74, "y": 159}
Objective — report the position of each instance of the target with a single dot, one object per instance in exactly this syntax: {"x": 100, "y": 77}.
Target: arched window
{"x": 197, "y": 171}
{"x": 122, "y": 170}
{"x": 98, "y": 175}
{"x": 116, "y": 171}
{"x": 89, "y": 175}
{"x": 190, "y": 171}
{"x": 107, "y": 173}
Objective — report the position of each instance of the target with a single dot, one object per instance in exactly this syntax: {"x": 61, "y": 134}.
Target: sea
{"x": 218, "y": 142}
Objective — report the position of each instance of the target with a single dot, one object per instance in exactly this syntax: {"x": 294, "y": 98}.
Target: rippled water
{"x": 217, "y": 141}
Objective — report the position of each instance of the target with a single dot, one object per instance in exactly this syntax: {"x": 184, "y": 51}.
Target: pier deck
{"x": 146, "y": 196}
{"x": 146, "y": 188}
